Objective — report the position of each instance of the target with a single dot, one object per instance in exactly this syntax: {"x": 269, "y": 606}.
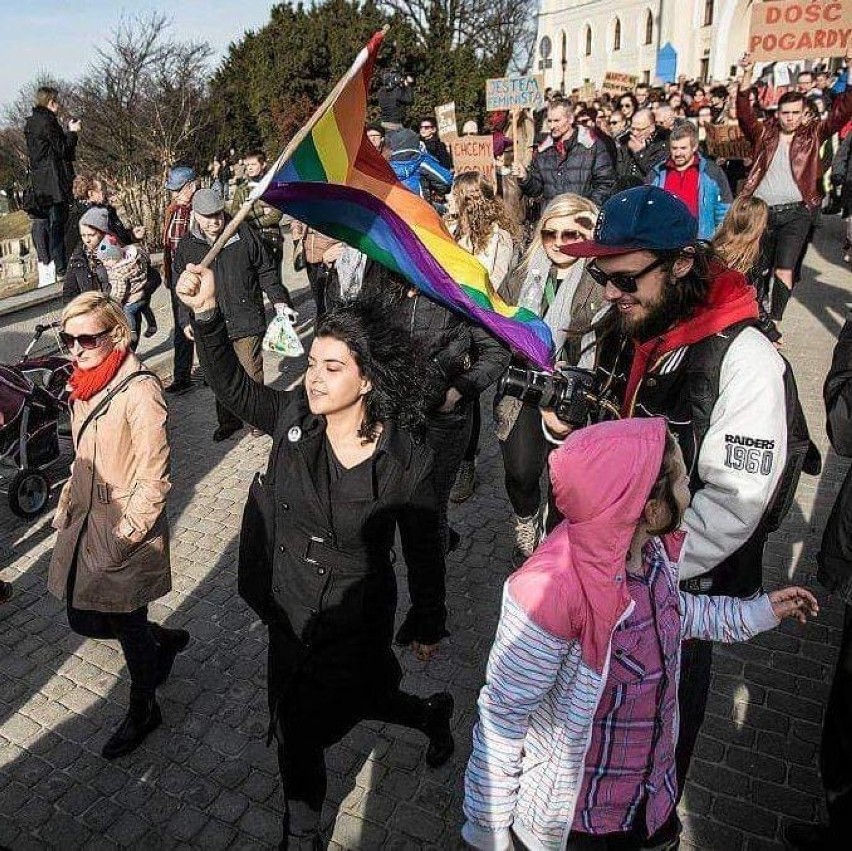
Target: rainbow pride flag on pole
{"x": 331, "y": 178}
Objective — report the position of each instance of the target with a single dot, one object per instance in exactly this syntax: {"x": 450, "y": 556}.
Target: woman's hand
{"x": 559, "y": 429}
{"x": 196, "y": 288}
{"x": 424, "y": 652}
{"x": 452, "y": 399}
{"x": 793, "y": 602}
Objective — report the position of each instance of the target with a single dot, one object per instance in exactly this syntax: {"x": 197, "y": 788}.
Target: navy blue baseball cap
{"x": 178, "y": 177}
{"x": 645, "y": 218}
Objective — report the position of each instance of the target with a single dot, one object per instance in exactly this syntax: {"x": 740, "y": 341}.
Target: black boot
{"x": 439, "y": 710}
{"x": 142, "y": 717}
{"x": 780, "y": 296}
{"x": 170, "y": 642}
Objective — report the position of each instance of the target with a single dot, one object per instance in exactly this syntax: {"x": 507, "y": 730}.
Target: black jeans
{"x": 836, "y": 747}
{"x": 57, "y": 218}
{"x": 786, "y": 237}
{"x": 317, "y": 279}
{"x": 133, "y": 633}
{"x": 184, "y": 349}
{"x": 475, "y": 428}
{"x": 41, "y": 239}
{"x": 447, "y": 435}
{"x": 525, "y": 452}
{"x": 301, "y": 759}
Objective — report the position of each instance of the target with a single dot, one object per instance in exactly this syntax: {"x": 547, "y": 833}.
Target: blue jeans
{"x": 133, "y": 312}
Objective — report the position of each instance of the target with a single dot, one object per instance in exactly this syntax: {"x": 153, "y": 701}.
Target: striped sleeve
{"x": 725, "y": 619}
{"x": 522, "y": 668}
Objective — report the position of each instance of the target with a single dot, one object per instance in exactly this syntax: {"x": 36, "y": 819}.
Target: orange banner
{"x": 799, "y": 30}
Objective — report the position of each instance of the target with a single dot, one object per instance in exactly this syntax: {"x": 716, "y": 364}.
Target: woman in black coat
{"x": 316, "y": 549}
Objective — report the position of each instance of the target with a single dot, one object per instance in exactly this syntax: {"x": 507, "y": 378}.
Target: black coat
{"x": 328, "y": 590}
{"x": 51, "y": 151}
{"x": 835, "y": 555}
{"x": 465, "y": 355}
{"x": 245, "y": 269}
{"x": 633, "y": 167}
{"x": 436, "y": 147}
{"x": 79, "y": 278}
{"x": 586, "y": 169}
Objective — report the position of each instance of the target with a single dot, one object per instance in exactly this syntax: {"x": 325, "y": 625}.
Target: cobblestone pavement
{"x": 205, "y": 778}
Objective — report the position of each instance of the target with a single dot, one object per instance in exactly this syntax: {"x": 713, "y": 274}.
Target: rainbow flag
{"x": 337, "y": 182}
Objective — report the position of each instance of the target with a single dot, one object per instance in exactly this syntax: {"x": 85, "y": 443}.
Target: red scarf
{"x": 729, "y": 300}
{"x": 85, "y": 383}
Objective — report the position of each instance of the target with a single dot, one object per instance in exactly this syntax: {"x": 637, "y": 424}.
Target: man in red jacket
{"x": 787, "y": 174}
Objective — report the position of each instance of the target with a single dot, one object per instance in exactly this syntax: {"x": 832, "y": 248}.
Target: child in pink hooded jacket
{"x": 578, "y": 718}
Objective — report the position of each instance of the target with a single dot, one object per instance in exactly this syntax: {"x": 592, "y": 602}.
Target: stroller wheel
{"x": 29, "y": 493}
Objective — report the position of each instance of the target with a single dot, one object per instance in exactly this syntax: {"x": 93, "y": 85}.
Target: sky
{"x": 61, "y": 36}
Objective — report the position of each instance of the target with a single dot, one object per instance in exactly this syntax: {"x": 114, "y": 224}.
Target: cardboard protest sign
{"x": 474, "y": 153}
{"x": 727, "y": 142}
{"x": 799, "y": 30}
{"x": 616, "y": 84}
{"x": 446, "y": 117}
{"x": 587, "y": 93}
{"x": 514, "y": 93}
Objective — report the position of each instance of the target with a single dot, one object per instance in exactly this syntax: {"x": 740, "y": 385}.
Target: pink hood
{"x": 574, "y": 585}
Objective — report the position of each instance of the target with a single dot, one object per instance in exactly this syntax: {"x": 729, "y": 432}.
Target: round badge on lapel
{"x": 294, "y": 434}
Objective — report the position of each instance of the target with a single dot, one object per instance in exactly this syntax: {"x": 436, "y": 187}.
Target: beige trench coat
{"x": 112, "y": 511}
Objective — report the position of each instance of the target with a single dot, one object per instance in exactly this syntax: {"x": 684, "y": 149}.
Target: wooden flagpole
{"x": 286, "y": 154}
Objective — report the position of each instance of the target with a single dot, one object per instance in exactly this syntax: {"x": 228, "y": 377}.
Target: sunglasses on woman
{"x": 549, "y": 236}
{"x": 623, "y": 282}
{"x": 86, "y": 341}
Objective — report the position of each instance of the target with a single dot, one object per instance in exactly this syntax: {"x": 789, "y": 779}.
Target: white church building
{"x": 580, "y": 40}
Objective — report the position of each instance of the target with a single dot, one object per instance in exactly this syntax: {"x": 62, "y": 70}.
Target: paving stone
{"x": 207, "y": 780}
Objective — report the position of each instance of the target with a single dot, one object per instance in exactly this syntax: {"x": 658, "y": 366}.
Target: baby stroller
{"x": 35, "y": 430}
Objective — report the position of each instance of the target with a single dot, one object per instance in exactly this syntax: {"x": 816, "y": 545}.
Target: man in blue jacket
{"x": 697, "y": 181}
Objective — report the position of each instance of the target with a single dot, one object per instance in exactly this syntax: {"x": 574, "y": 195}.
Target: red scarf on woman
{"x": 85, "y": 383}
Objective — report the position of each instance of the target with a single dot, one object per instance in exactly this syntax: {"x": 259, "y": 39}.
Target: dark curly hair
{"x": 386, "y": 357}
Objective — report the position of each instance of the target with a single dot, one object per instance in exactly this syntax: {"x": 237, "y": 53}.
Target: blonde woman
{"x": 739, "y": 244}
{"x": 485, "y": 229}
{"x": 483, "y": 226}
{"x": 554, "y": 286}
{"x": 111, "y": 557}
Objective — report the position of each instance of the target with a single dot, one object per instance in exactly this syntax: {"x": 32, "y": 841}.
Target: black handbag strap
{"x": 108, "y": 398}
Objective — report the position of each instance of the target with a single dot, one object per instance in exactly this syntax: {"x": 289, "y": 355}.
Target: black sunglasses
{"x": 548, "y": 235}
{"x": 86, "y": 341}
{"x": 621, "y": 281}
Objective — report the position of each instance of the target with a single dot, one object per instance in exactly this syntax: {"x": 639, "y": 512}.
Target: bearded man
{"x": 679, "y": 340}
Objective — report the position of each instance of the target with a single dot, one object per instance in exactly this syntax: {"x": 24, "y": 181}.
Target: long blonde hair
{"x": 479, "y": 209}
{"x": 567, "y": 204}
{"x": 105, "y": 308}
{"x": 738, "y": 240}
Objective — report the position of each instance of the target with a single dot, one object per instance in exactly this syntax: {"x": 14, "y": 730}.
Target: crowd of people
{"x": 663, "y": 273}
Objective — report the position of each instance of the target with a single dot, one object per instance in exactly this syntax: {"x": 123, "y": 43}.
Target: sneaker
{"x": 143, "y": 717}
{"x": 6, "y": 591}
{"x": 527, "y": 534}
{"x": 179, "y": 387}
{"x": 465, "y": 482}
{"x": 150, "y": 331}
{"x": 439, "y": 711}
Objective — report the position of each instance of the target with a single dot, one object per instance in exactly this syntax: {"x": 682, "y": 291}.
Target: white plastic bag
{"x": 281, "y": 336}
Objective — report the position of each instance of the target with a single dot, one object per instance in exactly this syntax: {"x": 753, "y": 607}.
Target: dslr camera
{"x": 569, "y": 391}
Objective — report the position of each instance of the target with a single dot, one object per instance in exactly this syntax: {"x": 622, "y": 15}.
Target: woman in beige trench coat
{"x": 111, "y": 556}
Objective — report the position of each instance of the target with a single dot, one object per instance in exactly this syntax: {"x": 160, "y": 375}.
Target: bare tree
{"x": 499, "y": 30}
{"x": 143, "y": 105}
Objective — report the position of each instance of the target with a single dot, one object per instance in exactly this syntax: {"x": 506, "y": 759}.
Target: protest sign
{"x": 514, "y": 93}
{"x": 727, "y": 142}
{"x": 446, "y": 115}
{"x": 616, "y": 84}
{"x": 474, "y": 153}
{"x": 587, "y": 93}
{"x": 799, "y": 30}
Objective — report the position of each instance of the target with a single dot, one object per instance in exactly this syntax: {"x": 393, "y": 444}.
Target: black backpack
{"x": 704, "y": 369}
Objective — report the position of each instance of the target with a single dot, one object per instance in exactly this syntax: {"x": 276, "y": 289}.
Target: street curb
{"x": 35, "y": 297}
